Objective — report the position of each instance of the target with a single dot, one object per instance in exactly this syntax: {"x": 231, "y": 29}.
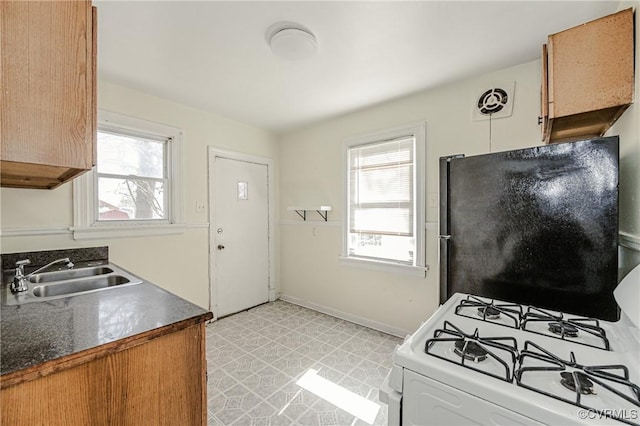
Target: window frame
{"x": 417, "y": 130}
{"x": 86, "y": 223}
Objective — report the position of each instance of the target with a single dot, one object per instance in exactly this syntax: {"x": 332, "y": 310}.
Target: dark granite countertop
{"x": 35, "y": 333}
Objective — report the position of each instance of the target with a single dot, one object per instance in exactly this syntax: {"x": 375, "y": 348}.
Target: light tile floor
{"x": 254, "y": 359}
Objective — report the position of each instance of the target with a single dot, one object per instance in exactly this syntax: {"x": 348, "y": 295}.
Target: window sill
{"x": 125, "y": 231}
{"x": 378, "y": 265}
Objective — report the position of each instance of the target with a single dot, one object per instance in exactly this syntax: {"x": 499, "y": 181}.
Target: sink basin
{"x": 67, "y": 283}
{"x": 68, "y": 274}
{"x": 78, "y": 286}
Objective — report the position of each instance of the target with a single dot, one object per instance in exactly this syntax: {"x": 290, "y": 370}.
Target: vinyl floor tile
{"x": 256, "y": 357}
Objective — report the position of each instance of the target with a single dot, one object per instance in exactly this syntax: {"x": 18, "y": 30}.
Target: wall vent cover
{"x": 495, "y": 101}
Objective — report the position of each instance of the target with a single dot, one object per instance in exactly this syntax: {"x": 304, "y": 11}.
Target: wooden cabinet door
{"x": 48, "y": 80}
{"x": 159, "y": 382}
{"x": 592, "y": 65}
{"x": 589, "y": 77}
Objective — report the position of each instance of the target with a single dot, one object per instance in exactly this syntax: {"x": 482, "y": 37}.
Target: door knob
{"x": 220, "y": 247}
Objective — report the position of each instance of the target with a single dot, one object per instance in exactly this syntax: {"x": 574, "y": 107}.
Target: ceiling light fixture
{"x": 291, "y": 41}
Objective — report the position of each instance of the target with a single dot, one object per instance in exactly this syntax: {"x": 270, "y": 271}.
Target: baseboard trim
{"x": 629, "y": 241}
{"x": 385, "y": 328}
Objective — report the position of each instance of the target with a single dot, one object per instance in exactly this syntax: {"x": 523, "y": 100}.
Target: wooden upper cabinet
{"x": 48, "y": 98}
{"x": 587, "y": 77}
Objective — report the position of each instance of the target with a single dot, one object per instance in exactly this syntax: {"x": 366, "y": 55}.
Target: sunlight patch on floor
{"x": 348, "y": 401}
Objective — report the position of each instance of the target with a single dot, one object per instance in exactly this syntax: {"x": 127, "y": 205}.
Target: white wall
{"x": 311, "y": 174}
{"x": 628, "y": 127}
{"x": 178, "y": 263}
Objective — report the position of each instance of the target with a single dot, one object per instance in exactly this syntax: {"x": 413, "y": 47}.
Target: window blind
{"x": 381, "y": 188}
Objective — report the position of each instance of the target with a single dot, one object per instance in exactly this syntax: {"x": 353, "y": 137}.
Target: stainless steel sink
{"x": 78, "y": 286}
{"x": 80, "y": 280}
{"x": 69, "y": 274}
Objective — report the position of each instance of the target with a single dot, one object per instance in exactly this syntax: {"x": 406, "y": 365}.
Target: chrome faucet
{"x": 19, "y": 283}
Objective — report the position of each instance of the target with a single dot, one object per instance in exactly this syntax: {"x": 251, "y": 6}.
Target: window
{"x": 135, "y": 183}
{"x": 131, "y": 176}
{"x": 384, "y": 191}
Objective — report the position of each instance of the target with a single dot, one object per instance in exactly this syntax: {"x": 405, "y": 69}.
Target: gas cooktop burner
{"x": 537, "y": 367}
{"x": 499, "y": 352}
{"x": 563, "y": 329}
{"x": 569, "y": 381}
{"x": 488, "y": 312}
{"x": 506, "y": 314}
{"x": 470, "y": 350}
{"x": 585, "y": 331}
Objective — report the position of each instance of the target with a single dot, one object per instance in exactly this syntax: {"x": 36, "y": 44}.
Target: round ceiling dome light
{"x": 291, "y": 41}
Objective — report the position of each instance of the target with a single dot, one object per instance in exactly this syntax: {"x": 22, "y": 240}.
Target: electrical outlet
{"x": 200, "y": 207}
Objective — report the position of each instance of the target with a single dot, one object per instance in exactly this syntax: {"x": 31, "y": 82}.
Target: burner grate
{"x": 471, "y": 347}
{"x": 507, "y": 314}
{"x": 580, "y": 379}
{"x": 583, "y": 331}
{"x": 565, "y": 329}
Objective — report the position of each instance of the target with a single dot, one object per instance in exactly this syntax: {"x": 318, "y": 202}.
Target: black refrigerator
{"x": 535, "y": 226}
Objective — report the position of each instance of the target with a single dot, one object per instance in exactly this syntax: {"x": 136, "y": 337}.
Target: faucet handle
{"x": 20, "y": 264}
{"x": 19, "y": 285}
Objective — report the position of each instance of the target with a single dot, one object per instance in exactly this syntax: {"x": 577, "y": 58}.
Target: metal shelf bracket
{"x": 323, "y": 211}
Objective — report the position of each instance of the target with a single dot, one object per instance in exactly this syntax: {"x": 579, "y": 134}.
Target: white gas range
{"x": 487, "y": 362}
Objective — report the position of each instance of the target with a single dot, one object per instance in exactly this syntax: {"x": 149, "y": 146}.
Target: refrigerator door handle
{"x": 445, "y": 243}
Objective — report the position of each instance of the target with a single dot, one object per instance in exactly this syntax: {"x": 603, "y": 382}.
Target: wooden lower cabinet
{"x": 159, "y": 382}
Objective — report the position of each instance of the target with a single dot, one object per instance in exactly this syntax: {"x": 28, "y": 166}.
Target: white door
{"x": 240, "y": 234}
